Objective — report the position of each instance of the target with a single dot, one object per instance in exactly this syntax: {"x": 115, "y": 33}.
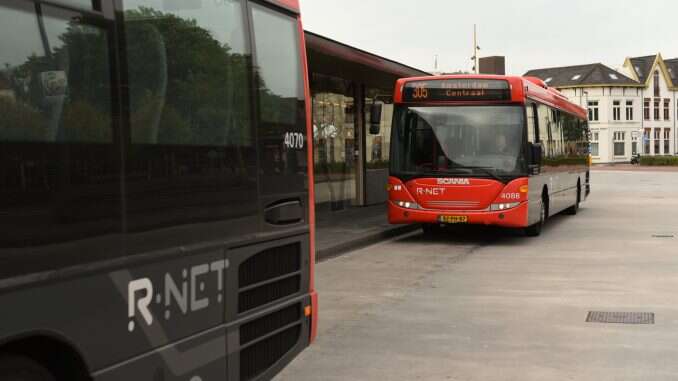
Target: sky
{"x": 531, "y": 34}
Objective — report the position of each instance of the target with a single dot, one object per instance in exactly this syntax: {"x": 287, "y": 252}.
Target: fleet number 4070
{"x": 294, "y": 140}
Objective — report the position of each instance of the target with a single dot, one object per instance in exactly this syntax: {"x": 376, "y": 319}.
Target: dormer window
{"x": 656, "y": 83}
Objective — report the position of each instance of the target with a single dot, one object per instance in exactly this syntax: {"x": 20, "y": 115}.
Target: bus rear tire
{"x": 19, "y": 368}
{"x": 572, "y": 211}
{"x": 535, "y": 230}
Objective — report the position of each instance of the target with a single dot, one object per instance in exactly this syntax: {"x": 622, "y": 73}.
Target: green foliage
{"x": 148, "y": 118}
{"x": 203, "y": 94}
{"x": 83, "y": 123}
{"x": 377, "y": 164}
{"x": 659, "y": 160}
{"x": 19, "y": 122}
{"x": 565, "y": 160}
{"x": 83, "y": 107}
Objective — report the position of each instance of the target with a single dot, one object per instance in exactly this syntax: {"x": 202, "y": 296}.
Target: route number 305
{"x": 420, "y": 93}
{"x": 294, "y": 140}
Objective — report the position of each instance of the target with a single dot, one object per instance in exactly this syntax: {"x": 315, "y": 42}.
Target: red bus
{"x": 489, "y": 150}
{"x": 156, "y": 216}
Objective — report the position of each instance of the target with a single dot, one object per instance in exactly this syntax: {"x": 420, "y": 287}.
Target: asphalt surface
{"x": 488, "y": 304}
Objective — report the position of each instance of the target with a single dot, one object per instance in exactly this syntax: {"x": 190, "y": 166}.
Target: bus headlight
{"x": 407, "y": 204}
{"x": 503, "y": 206}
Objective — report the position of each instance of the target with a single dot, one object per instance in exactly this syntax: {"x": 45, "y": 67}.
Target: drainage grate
{"x": 663, "y": 236}
{"x": 620, "y": 317}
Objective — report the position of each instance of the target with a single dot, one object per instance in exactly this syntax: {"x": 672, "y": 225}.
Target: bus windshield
{"x": 483, "y": 141}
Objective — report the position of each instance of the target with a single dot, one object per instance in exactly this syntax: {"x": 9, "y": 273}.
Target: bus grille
{"x": 257, "y": 358}
{"x": 268, "y": 276}
{"x": 265, "y": 325}
{"x": 451, "y": 204}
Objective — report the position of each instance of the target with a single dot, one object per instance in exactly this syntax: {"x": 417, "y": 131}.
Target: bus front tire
{"x": 19, "y": 368}
{"x": 535, "y": 230}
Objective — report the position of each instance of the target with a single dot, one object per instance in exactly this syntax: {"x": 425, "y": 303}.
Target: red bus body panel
{"x": 311, "y": 188}
{"x": 468, "y": 197}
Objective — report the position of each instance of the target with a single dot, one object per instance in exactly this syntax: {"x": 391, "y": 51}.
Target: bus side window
{"x": 531, "y": 123}
{"x": 60, "y": 169}
{"x": 571, "y": 135}
{"x": 281, "y": 107}
{"x": 192, "y": 145}
{"x": 557, "y": 133}
{"x": 544, "y": 124}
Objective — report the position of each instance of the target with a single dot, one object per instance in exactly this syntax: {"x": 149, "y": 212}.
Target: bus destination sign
{"x": 462, "y": 89}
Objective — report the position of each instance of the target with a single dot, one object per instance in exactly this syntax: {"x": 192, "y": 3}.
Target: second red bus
{"x": 488, "y": 150}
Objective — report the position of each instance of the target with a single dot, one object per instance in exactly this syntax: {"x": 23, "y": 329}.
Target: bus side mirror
{"x": 535, "y": 153}
{"x": 375, "y": 118}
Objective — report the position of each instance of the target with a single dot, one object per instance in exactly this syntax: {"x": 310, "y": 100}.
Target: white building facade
{"x": 659, "y": 92}
{"x": 631, "y": 111}
{"x": 614, "y": 120}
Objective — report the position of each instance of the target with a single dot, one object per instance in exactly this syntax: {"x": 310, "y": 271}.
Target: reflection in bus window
{"x": 192, "y": 158}
{"x": 280, "y": 87}
{"x": 84, "y": 4}
{"x": 188, "y": 80}
{"x": 59, "y": 168}
{"x": 57, "y": 84}
{"x": 281, "y": 106}
{"x": 459, "y": 139}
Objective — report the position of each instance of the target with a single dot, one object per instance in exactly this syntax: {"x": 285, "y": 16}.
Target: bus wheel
{"x": 431, "y": 229}
{"x": 17, "y": 368}
{"x": 535, "y": 230}
{"x": 575, "y": 208}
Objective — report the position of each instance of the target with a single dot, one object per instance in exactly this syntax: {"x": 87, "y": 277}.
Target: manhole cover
{"x": 620, "y": 317}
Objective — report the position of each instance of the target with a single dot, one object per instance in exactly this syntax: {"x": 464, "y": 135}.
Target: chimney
{"x": 493, "y": 65}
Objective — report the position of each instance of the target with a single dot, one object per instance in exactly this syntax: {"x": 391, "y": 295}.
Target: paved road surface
{"x": 483, "y": 304}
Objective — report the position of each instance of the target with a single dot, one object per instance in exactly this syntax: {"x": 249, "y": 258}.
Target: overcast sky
{"x": 530, "y": 33}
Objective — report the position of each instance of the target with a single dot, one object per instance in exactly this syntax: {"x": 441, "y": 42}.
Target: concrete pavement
{"x": 353, "y": 228}
{"x": 487, "y": 304}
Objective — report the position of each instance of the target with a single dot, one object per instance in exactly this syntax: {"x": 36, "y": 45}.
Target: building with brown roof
{"x": 631, "y": 110}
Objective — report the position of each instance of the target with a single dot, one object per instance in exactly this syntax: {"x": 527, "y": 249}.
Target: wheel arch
{"x": 545, "y": 195}
{"x": 50, "y": 350}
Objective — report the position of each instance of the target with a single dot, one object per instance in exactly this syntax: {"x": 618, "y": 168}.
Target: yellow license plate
{"x": 453, "y": 219}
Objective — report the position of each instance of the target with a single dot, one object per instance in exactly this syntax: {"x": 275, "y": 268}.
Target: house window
{"x": 619, "y": 143}
{"x": 657, "y": 137}
{"x": 646, "y": 141}
{"x": 616, "y": 110}
{"x": 656, "y": 83}
{"x": 593, "y": 111}
{"x": 667, "y": 107}
{"x": 594, "y": 144}
{"x": 646, "y": 109}
{"x": 667, "y": 141}
{"x": 634, "y": 143}
{"x": 629, "y": 110}
{"x": 656, "y": 109}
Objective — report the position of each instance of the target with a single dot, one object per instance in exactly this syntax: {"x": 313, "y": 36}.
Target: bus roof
{"x": 521, "y": 88}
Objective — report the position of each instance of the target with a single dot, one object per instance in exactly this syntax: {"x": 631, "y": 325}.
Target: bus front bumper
{"x": 514, "y": 217}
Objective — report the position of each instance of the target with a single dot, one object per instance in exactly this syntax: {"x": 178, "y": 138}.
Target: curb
{"x": 366, "y": 240}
